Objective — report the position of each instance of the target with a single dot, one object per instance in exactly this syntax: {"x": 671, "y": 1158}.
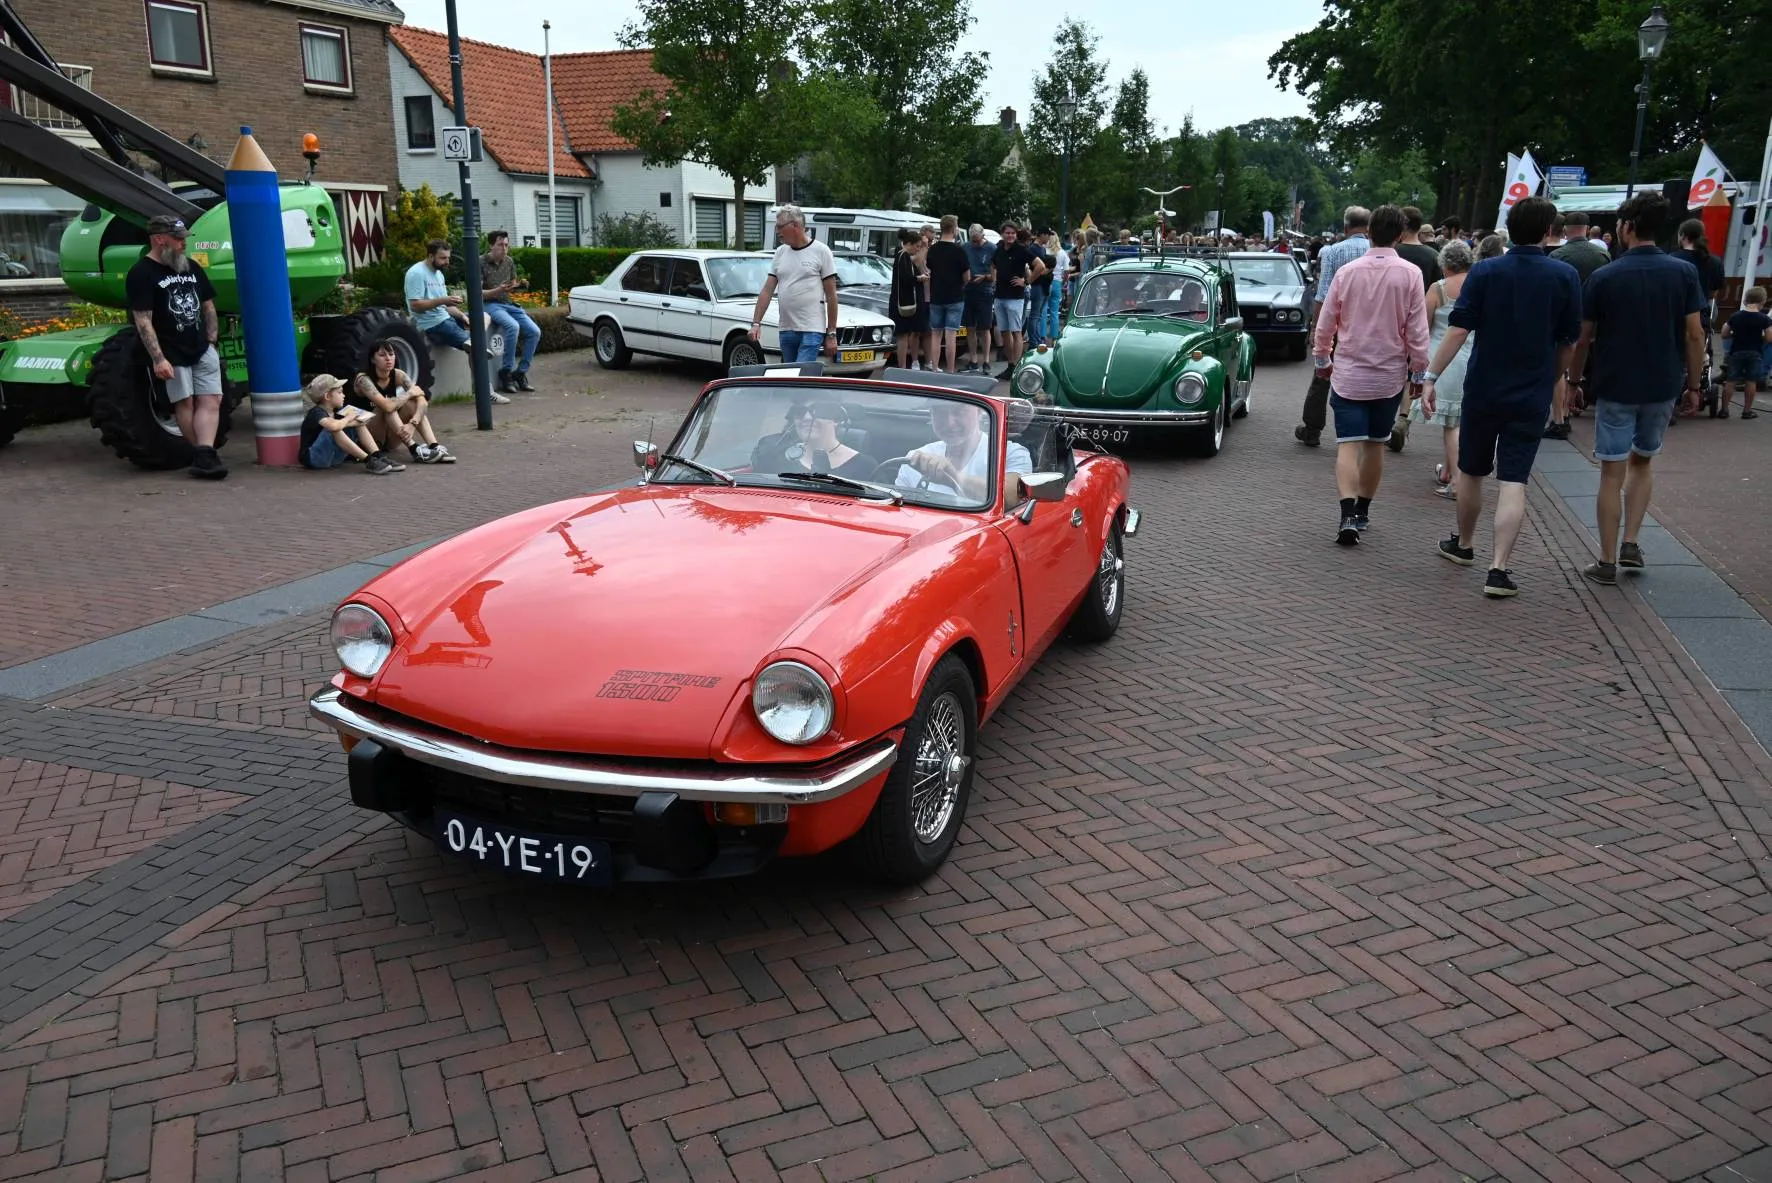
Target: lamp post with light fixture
{"x": 1651, "y": 39}
{"x": 1067, "y": 109}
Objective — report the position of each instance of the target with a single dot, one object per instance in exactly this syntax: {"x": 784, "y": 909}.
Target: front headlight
{"x": 1190, "y": 389}
{"x": 793, "y": 703}
{"x": 1030, "y": 381}
{"x": 1295, "y": 316}
{"x": 362, "y": 639}
{"x": 881, "y": 333}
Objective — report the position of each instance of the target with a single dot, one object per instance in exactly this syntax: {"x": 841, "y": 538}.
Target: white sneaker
{"x": 500, "y": 399}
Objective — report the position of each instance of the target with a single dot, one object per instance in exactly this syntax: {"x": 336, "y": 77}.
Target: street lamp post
{"x": 1218, "y": 230}
{"x": 1651, "y": 38}
{"x": 1067, "y": 108}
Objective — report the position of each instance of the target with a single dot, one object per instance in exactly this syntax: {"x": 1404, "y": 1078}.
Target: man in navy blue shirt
{"x": 1643, "y": 320}
{"x": 1525, "y": 308}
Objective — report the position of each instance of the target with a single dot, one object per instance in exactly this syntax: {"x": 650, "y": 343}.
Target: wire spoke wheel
{"x": 940, "y": 767}
{"x": 1107, "y": 575}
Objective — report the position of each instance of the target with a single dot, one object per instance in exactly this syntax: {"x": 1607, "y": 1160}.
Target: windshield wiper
{"x": 1254, "y": 283}
{"x": 741, "y": 295}
{"x": 831, "y": 478}
{"x": 725, "y": 478}
{"x": 1142, "y": 308}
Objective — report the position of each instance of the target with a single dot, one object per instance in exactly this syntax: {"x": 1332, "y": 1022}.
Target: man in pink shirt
{"x": 1374, "y": 321}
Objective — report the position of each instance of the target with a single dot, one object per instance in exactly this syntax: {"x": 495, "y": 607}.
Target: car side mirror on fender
{"x": 645, "y": 455}
{"x": 1044, "y": 486}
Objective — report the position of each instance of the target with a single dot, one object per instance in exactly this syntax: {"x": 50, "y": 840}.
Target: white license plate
{"x": 1106, "y": 435}
{"x": 855, "y": 355}
{"x": 543, "y": 856}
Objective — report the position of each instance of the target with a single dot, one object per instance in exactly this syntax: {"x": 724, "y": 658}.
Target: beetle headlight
{"x": 362, "y": 639}
{"x": 1030, "y": 381}
{"x": 1190, "y": 389}
{"x": 793, "y": 703}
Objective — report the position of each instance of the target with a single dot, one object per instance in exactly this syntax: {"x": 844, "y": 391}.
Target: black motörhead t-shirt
{"x": 175, "y": 298}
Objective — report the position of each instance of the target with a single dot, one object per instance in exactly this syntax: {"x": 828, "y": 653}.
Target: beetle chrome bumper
{"x": 1095, "y": 418}
{"x": 588, "y": 774}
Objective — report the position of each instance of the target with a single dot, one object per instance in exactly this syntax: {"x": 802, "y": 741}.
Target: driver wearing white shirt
{"x": 958, "y": 462}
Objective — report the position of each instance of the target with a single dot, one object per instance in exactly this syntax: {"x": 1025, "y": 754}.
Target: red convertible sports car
{"x": 782, "y": 639}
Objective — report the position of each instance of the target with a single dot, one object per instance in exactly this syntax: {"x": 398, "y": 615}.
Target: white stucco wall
{"x": 629, "y": 187}
{"x": 492, "y": 189}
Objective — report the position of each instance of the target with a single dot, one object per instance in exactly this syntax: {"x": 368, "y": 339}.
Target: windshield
{"x": 862, "y": 269}
{"x": 1279, "y": 271}
{"x": 1163, "y": 292}
{"x": 926, "y": 448}
{"x": 738, "y": 275}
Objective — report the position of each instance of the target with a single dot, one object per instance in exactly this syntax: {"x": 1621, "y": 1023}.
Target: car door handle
{"x": 1076, "y": 517}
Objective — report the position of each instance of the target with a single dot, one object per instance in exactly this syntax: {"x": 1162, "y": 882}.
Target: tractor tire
{"x": 131, "y": 413}
{"x": 11, "y": 420}
{"x": 348, "y": 354}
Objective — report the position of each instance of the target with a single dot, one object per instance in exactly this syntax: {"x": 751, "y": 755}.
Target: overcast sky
{"x": 1210, "y": 58}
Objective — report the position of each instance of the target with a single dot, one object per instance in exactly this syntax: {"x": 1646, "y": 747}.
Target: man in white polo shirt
{"x": 806, "y": 276}
{"x": 958, "y": 462}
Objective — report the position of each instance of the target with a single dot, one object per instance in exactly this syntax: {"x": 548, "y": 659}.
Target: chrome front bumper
{"x": 1093, "y": 418}
{"x": 588, "y": 774}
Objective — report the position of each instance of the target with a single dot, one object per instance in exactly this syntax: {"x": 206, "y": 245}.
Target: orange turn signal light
{"x": 741, "y": 813}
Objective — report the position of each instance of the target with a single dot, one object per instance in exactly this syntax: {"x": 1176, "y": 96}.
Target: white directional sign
{"x": 461, "y": 143}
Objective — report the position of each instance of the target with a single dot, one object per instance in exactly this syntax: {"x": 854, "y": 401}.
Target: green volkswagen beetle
{"x": 1153, "y": 345}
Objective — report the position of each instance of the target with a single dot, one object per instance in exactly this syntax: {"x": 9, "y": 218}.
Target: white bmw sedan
{"x": 697, "y": 304}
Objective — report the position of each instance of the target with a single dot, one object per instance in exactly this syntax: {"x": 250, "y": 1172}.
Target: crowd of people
{"x": 1497, "y": 339}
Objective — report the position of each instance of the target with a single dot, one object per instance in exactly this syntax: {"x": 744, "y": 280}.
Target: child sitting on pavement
{"x": 1747, "y": 333}
{"x": 327, "y": 430}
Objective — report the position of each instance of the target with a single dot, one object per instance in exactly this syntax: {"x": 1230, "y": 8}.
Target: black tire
{"x": 611, "y": 348}
{"x": 352, "y": 346}
{"x": 12, "y": 419}
{"x": 1208, "y": 441}
{"x": 890, "y": 846}
{"x": 742, "y": 351}
{"x": 130, "y": 409}
{"x": 1098, "y": 617}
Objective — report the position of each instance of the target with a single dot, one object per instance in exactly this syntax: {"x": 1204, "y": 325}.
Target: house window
{"x": 325, "y": 57}
{"x": 710, "y": 223}
{"x": 566, "y": 213}
{"x": 178, "y": 36}
{"x": 32, "y": 218}
{"x": 421, "y": 124}
{"x": 664, "y": 201}
{"x": 753, "y": 225}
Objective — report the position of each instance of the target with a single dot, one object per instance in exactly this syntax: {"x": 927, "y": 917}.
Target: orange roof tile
{"x": 504, "y": 92}
{"x": 588, "y": 87}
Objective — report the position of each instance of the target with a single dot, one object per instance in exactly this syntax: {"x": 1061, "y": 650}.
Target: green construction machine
{"x": 103, "y": 370}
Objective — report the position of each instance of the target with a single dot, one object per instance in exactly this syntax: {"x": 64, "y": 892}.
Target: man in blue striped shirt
{"x": 1355, "y": 221}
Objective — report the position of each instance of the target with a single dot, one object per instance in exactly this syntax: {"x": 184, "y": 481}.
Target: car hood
{"x": 625, "y": 623}
{"x": 1120, "y": 360}
{"x": 1290, "y": 297}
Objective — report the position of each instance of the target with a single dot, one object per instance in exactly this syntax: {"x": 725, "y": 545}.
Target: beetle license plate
{"x": 541, "y": 856}
{"x": 1106, "y": 435}
{"x": 852, "y": 355}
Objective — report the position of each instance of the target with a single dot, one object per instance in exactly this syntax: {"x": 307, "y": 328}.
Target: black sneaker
{"x": 1464, "y": 556}
{"x": 1309, "y": 439}
{"x": 206, "y": 464}
{"x": 1362, "y": 522}
{"x": 393, "y": 464}
{"x": 1349, "y": 533}
{"x": 1007, "y": 371}
{"x": 1630, "y": 554}
{"x": 505, "y": 385}
{"x": 377, "y": 465}
{"x": 1557, "y": 431}
{"x": 520, "y": 378}
{"x": 1604, "y": 574}
{"x": 1500, "y": 583}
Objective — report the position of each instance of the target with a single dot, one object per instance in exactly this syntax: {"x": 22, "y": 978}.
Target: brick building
{"x": 198, "y": 70}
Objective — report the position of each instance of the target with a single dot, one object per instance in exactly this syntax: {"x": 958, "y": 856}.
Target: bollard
{"x": 267, "y": 317}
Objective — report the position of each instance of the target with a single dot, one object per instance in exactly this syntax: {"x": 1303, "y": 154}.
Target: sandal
{"x": 1441, "y": 477}
{"x": 1750, "y": 414}
{"x": 1447, "y": 491}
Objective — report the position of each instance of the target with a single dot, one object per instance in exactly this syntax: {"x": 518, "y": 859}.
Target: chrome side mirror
{"x": 645, "y": 455}
{"x": 1044, "y": 486}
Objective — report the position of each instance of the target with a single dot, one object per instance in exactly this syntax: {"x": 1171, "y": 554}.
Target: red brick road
{"x": 1325, "y": 868}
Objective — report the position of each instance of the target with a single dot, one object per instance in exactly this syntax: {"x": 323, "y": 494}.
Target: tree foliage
{"x": 983, "y": 188}
{"x": 920, "y": 90}
{"x": 739, "y": 98}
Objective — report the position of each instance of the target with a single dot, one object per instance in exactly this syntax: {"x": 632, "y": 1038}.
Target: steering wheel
{"x": 892, "y": 464}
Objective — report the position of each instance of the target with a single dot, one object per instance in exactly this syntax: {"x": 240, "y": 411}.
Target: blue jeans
{"x": 515, "y": 324}
{"x": 1049, "y": 315}
{"x": 450, "y": 334}
{"x": 797, "y": 346}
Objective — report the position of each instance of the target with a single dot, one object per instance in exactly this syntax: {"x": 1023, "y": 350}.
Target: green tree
{"x": 921, "y": 91}
{"x": 418, "y": 216}
{"x": 738, "y": 100}
{"x": 1073, "y": 69}
{"x": 984, "y": 188}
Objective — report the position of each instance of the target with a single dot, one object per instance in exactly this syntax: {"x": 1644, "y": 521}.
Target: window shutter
{"x": 710, "y": 222}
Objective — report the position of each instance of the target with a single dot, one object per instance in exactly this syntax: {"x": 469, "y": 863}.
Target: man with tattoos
{"x": 173, "y": 307}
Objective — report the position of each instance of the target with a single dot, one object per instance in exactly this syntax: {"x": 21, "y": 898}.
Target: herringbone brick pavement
{"x": 1325, "y": 868}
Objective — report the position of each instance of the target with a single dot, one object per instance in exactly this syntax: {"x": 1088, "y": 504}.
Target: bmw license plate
{"x": 1106, "y": 435}
{"x": 853, "y": 355}
{"x": 541, "y": 856}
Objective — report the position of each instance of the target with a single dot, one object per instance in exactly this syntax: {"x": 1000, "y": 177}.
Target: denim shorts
{"x": 1011, "y": 314}
{"x": 1501, "y": 440}
{"x": 945, "y": 318}
{"x": 324, "y": 452}
{"x": 1746, "y": 365}
{"x": 1623, "y": 428}
{"x": 1363, "y": 420}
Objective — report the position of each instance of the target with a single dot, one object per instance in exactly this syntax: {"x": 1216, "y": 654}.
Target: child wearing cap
{"x": 327, "y": 430}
